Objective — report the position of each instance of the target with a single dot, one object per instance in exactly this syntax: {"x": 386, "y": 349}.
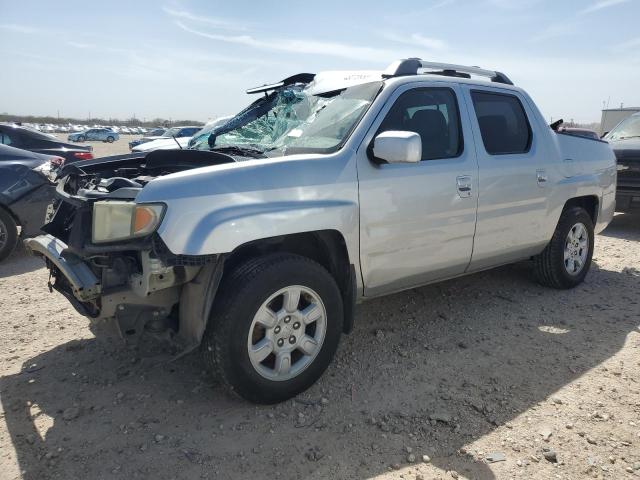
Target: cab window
{"x": 433, "y": 114}
{"x": 503, "y": 123}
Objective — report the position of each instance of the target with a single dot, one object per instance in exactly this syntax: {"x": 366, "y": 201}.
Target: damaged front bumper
{"x": 83, "y": 283}
{"x": 144, "y": 296}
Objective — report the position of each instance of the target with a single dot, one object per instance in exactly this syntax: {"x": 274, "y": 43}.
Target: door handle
{"x": 464, "y": 184}
{"x": 541, "y": 177}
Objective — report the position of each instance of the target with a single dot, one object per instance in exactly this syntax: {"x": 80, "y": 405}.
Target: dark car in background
{"x": 624, "y": 138}
{"x": 29, "y": 139}
{"x": 25, "y": 193}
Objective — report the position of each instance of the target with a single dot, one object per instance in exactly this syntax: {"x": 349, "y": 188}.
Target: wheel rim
{"x": 576, "y": 249}
{"x": 287, "y": 333}
{"x": 4, "y": 235}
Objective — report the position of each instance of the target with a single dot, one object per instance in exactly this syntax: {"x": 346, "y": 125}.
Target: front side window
{"x": 503, "y": 123}
{"x": 433, "y": 114}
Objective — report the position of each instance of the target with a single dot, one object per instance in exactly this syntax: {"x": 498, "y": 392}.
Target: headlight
{"x": 116, "y": 220}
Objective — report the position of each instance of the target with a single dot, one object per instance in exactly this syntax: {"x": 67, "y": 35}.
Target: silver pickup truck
{"x": 257, "y": 242}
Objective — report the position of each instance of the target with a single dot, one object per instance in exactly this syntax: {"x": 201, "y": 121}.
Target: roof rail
{"x": 410, "y": 66}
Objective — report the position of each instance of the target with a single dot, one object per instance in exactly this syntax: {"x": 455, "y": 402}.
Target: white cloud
{"x": 293, "y": 45}
{"x": 633, "y": 43}
{"x": 417, "y": 39}
{"x": 12, "y": 27}
{"x": 217, "y": 22}
{"x": 602, "y": 4}
{"x": 556, "y": 30}
{"x": 82, "y": 45}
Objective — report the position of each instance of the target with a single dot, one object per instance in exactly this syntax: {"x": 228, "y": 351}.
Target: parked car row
{"x": 74, "y": 128}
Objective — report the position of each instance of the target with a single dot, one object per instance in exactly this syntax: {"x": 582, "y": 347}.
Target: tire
{"x": 8, "y": 234}
{"x": 110, "y": 139}
{"x": 81, "y": 138}
{"x": 552, "y": 268}
{"x": 244, "y": 293}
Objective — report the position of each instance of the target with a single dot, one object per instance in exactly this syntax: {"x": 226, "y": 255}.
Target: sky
{"x": 194, "y": 59}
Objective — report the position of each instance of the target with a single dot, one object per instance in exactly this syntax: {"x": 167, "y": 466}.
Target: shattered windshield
{"x": 292, "y": 120}
{"x": 629, "y": 128}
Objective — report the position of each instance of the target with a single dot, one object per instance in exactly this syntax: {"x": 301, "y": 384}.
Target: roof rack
{"x": 411, "y": 66}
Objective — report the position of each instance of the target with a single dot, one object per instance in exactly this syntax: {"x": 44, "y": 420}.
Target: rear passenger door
{"x": 417, "y": 220}
{"x": 512, "y": 203}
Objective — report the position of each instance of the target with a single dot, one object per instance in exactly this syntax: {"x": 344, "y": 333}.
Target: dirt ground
{"x": 487, "y": 376}
{"x": 103, "y": 149}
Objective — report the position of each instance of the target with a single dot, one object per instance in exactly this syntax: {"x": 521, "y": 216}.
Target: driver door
{"x": 417, "y": 220}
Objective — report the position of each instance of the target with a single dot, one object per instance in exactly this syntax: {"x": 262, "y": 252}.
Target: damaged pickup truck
{"x": 257, "y": 241}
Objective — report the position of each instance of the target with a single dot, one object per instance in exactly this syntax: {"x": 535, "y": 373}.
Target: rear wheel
{"x": 8, "y": 234}
{"x": 565, "y": 261}
{"x": 274, "y": 328}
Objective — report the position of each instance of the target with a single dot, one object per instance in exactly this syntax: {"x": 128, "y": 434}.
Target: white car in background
{"x": 168, "y": 142}
{"x": 163, "y": 144}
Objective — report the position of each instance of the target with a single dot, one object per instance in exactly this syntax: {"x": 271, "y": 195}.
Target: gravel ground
{"x": 486, "y": 376}
{"x": 103, "y": 149}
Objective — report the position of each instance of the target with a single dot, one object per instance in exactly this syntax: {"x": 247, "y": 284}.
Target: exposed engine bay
{"x": 124, "y": 175}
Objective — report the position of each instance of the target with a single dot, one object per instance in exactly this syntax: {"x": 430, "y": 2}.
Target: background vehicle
{"x": 37, "y": 142}
{"x": 100, "y": 134}
{"x": 625, "y": 141}
{"x": 329, "y": 189}
{"x": 25, "y": 193}
{"x": 177, "y": 143}
{"x": 581, "y": 132}
{"x": 177, "y": 132}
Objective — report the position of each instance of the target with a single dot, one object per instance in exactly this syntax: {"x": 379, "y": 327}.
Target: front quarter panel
{"x": 215, "y": 209}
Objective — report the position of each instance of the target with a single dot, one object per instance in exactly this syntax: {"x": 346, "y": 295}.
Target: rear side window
{"x": 503, "y": 123}
{"x": 433, "y": 114}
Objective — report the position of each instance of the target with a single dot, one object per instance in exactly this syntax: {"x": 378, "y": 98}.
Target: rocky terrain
{"x": 487, "y": 376}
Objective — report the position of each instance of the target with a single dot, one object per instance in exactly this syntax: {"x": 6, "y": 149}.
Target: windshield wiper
{"x": 174, "y": 137}
{"x": 242, "y": 151}
{"x": 629, "y": 136}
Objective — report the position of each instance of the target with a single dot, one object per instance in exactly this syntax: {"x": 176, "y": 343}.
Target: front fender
{"x": 223, "y": 230}
{"x": 213, "y": 210}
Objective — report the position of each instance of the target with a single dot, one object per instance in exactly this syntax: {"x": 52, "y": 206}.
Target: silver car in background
{"x": 95, "y": 134}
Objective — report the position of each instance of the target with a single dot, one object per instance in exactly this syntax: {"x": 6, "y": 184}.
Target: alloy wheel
{"x": 287, "y": 333}
{"x": 576, "y": 249}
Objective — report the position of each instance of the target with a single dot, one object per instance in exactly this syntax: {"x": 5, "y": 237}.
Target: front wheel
{"x": 110, "y": 139}
{"x": 274, "y": 328}
{"x": 81, "y": 138}
{"x": 565, "y": 262}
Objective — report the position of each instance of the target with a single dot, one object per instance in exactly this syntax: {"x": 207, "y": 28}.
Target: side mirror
{"x": 397, "y": 146}
{"x": 604, "y": 134}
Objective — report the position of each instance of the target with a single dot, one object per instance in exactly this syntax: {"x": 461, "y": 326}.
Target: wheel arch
{"x": 10, "y": 212}
{"x": 590, "y": 203}
{"x": 326, "y": 247}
